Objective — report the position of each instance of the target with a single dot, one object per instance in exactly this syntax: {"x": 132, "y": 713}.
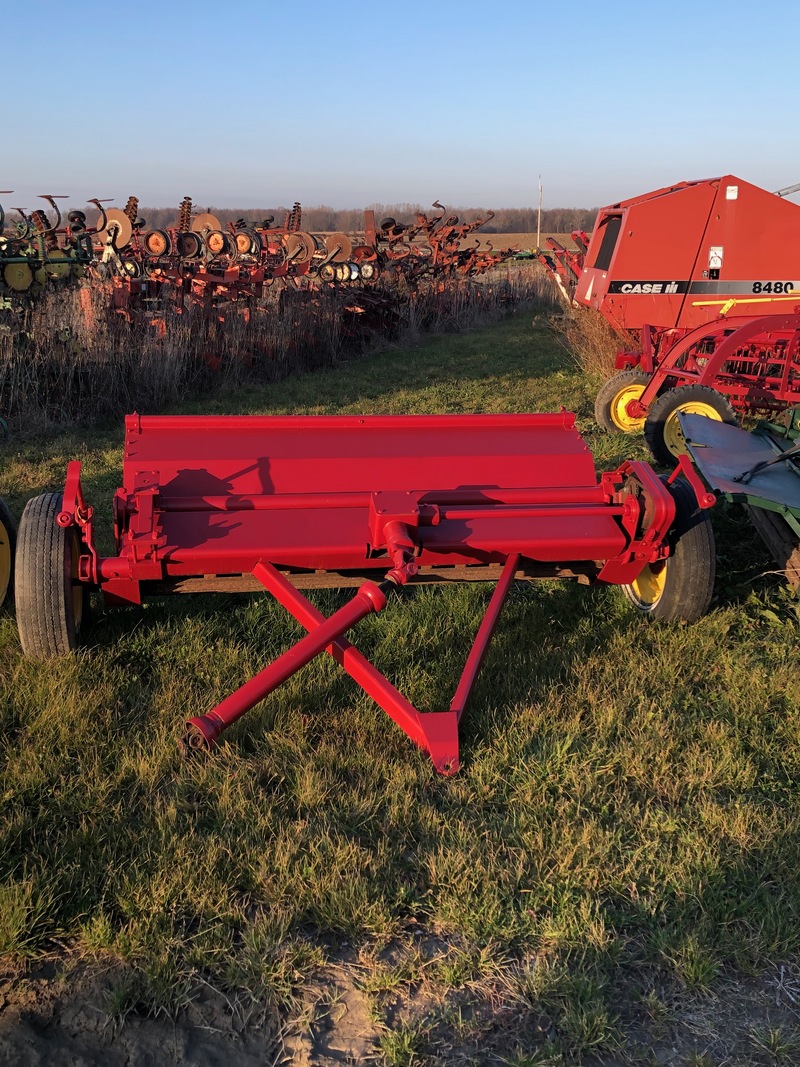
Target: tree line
{"x": 323, "y": 218}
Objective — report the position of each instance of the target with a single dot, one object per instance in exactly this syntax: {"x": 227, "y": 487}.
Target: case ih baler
{"x": 707, "y": 275}
{"x": 287, "y": 503}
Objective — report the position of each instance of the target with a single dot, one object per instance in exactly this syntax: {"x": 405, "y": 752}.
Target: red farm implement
{"x": 374, "y": 503}
{"x": 199, "y": 263}
{"x": 565, "y": 264}
{"x": 707, "y": 275}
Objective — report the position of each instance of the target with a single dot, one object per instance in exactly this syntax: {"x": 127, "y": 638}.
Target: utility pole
{"x": 539, "y": 216}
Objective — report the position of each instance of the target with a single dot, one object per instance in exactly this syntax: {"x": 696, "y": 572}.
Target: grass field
{"x": 614, "y": 875}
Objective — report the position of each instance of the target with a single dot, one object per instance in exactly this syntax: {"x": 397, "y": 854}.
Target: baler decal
{"x": 649, "y": 287}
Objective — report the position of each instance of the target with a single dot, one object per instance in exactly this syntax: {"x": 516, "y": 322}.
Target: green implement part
{"x": 760, "y": 470}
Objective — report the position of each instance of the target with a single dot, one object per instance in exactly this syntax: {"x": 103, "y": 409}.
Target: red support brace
{"x": 435, "y": 732}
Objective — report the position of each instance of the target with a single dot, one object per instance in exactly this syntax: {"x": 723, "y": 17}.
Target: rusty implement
{"x": 286, "y": 503}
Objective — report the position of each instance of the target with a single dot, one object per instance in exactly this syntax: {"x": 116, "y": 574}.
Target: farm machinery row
{"x": 200, "y": 262}
{"x": 705, "y": 277}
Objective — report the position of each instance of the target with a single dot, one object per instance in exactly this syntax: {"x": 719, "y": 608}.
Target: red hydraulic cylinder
{"x": 204, "y": 730}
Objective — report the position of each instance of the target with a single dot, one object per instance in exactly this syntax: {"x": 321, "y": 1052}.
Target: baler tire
{"x": 609, "y": 412}
{"x": 8, "y": 543}
{"x": 661, "y": 428}
{"x": 52, "y": 604}
{"x": 680, "y": 588}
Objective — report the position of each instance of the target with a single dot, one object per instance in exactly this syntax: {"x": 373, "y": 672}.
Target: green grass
{"x": 626, "y": 818}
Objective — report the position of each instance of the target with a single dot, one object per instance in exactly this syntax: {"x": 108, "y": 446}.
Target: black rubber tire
{"x": 607, "y": 393}
{"x": 51, "y": 605}
{"x": 675, "y": 400}
{"x": 8, "y": 543}
{"x": 689, "y": 572}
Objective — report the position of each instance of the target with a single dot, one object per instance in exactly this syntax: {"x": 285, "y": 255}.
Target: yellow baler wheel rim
{"x": 673, "y": 434}
{"x": 650, "y": 585}
{"x": 618, "y": 408}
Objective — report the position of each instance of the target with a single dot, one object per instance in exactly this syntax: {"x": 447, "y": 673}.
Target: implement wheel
{"x": 662, "y": 430}
{"x": 679, "y": 588}
{"x": 8, "y": 540}
{"x": 613, "y": 398}
{"x": 51, "y": 601}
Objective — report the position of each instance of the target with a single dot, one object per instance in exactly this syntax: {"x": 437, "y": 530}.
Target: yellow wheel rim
{"x": 617, "y": 410}
{"x": 18, "y": 276}
{"x": 673, "y": 434}
{"x": 58, "y": 265}
{"x": 5, "y": 561}
{"x": 649, "y": 586}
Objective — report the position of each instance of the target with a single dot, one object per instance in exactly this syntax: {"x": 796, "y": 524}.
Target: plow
{"x": 371, "y": 504}
{"x": 705, "y": 276}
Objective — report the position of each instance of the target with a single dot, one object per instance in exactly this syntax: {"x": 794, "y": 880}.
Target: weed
{"x": 27, "y": 905}
{"x": 779, "y": 1044}
{"x": 73, "y": 359}
{"x": 549, "y": 1055}
{"x": 402, "y": 1047}
{"x": 592, "y": 341}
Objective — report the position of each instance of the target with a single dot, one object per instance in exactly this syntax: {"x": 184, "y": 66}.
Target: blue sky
{"x": 250, "y": 103}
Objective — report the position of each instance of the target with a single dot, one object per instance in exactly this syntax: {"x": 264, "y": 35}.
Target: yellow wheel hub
{"x": 673, "y": 434}
{"x": 618, "y": 409}
{"x": 5, "y": 561}
{"x": 649, "y": 586}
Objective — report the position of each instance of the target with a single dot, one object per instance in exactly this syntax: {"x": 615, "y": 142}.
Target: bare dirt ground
{"x": 60, "y": 1012}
